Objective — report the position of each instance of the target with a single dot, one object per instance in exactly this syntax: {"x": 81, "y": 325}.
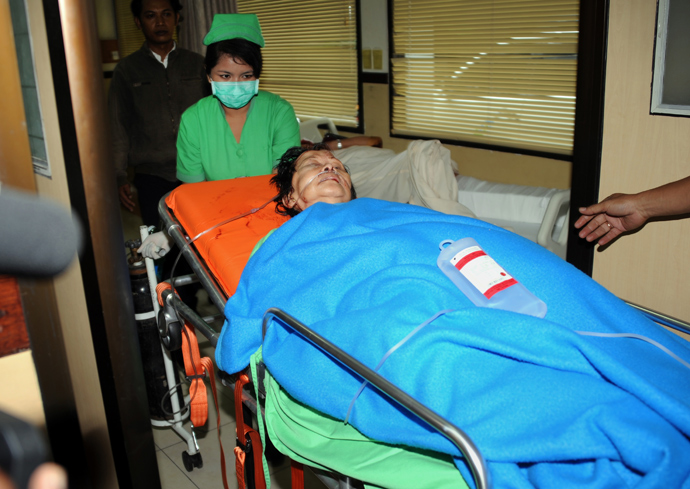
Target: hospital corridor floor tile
{"x": 170, "y": 474}
{"x": 174, "y": 475}
{"x": 166, "y": 437}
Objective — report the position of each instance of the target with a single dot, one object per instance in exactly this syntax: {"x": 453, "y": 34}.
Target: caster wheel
{"x": 191, "y": 461}
{"x": 198, "y": 461}
{"x": 187, "y": 461}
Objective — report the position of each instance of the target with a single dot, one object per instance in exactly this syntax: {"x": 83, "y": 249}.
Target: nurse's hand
{"x": 155, "y": 246}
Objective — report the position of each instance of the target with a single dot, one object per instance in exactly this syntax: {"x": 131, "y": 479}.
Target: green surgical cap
{"x": 231, "y": 26}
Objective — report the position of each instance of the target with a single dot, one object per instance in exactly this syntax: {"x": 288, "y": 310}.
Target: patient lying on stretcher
{"x": 548, "y": 403}
{"x": 303, "y": 176}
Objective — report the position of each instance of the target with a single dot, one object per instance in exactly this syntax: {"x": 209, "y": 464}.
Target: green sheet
{"x": 312, "y": 438}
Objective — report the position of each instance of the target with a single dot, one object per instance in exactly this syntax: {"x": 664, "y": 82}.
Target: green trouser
{"x": 312, "y": 438}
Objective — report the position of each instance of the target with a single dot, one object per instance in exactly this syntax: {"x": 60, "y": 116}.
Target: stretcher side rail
{"x": 661, "y": 318}
{"x": 460, "y": 439}
{"x": 189, "y": 315}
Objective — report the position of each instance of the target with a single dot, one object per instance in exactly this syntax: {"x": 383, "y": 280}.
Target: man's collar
{"x": 156, "y": 56}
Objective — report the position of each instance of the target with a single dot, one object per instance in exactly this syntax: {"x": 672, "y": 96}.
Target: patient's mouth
{"x": 329, "y": 175}
{"x": 335, "y": 177}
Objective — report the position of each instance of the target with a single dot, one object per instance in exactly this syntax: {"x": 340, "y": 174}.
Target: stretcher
{"x": 202, "y": 220}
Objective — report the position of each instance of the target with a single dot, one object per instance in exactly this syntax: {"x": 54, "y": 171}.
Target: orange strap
{"x": 244, "y": 431}
{"x": 208, "y": 365}
{"x": 193, "y": 368}
{"x": 197, "y": 368}
{"x": 239, "y": 467}
{"x": 297, "y": 471}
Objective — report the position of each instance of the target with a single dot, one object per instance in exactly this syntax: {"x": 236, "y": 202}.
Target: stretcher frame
{"x": 174, "y": 229}
{"x": 173, "y": 305}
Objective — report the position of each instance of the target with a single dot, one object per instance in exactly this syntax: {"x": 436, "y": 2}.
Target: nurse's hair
{"x": 285, "y": 170}
{"x": 238, "y": 49}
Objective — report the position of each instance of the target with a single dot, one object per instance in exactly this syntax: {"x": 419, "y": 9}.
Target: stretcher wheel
{"x": 191, "y": 461}
{"x": 169, "y": 331}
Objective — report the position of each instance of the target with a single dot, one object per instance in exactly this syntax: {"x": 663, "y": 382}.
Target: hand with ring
{"x": 611, "y": 217}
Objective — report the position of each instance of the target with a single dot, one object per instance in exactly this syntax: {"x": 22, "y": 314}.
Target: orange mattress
{"x": 226, "y": 249}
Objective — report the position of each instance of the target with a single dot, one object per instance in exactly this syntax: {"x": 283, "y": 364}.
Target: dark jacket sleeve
{"x": 120, "y": 110}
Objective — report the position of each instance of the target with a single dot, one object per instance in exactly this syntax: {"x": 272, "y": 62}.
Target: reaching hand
{"x": 609, "y": 218}
{"x": 126, "y": 197}
{"x": 155, "y": 246}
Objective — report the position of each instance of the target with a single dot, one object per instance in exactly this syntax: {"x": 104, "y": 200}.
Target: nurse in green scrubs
{"x": 239, "y": 131}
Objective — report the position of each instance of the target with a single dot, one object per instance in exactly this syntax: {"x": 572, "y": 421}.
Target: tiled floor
{"x": 169, "y": 445}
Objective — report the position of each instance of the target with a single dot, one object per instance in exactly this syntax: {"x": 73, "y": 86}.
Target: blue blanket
{"x": 546, "y": 406}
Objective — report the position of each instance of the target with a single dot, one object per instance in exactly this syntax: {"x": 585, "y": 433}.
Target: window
{"x": 486, "y": 72}
{"x": 670, "y": 90}
{"x": 30, "y": 95}
{"x": 311, "y": 56}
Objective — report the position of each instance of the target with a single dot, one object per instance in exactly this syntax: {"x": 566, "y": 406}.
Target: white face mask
{"x": 235, "y": 95}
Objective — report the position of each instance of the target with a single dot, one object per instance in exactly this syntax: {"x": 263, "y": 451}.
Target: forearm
{"x": 355, "y": 141}
{"x": 668, "y": 200}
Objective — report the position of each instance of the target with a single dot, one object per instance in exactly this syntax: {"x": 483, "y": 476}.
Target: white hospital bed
{"x": 537, "y": 213}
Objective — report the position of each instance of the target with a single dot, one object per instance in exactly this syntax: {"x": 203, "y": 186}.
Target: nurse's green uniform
{"x": 207, "y": 149}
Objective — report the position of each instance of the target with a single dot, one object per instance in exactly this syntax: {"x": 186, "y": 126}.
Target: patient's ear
{"x": 288, "y": 201}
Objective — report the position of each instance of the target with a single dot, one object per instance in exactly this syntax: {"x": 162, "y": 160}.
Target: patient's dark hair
{"x": 285, "y": 169}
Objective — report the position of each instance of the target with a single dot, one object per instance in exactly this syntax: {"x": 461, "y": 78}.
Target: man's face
{"x": 157, "y": 21}
{"x": 316, "y": 181}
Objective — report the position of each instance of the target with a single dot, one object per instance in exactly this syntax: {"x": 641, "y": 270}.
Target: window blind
{"x": 494, "y": 72}
{"x": 310, "y": 58}
{"x": 129, "y": 37}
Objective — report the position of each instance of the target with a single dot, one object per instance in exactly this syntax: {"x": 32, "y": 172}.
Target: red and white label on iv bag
{"x": 482, "y": 271}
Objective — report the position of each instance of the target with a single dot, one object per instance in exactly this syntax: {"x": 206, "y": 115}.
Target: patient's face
{"x": 319, "y": 177}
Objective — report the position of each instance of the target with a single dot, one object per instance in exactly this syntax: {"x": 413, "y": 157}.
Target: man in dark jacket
{"x": 150, "y": 90}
